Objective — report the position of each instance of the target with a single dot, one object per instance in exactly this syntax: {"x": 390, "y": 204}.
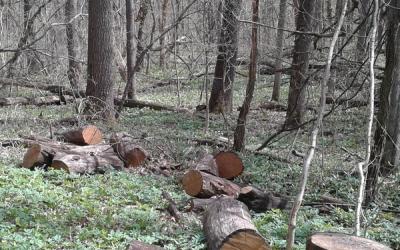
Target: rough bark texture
{"x": 224, "y": 75}
{"x": 88, "y": 135}
{"x": 239, "y": 135}
{"x": 132, "y": 154}
{"x": 207, "y": 164}
{"x": 279, "y": 51}
{"x": 100, "y": 59}
{"x": 130, "y": 50}
{"x": 383, "y": 145}
{"x": 73, "y": 66}
{"x": 227, "y": 225}
{"x": 162, "y": 21}
{"x": 363, "y": 9}
{"x": 141, "y": 18}
{"x": 329, "y": 241}
{"x": 260, "y": 201}
{"x": 203, "y": 185}
{"x": 301, "y": 57}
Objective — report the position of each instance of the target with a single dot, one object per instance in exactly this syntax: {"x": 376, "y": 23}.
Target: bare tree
{"x": 224, "y": 74}
{"x": 162, "y": 21}
{"x": 130, "y": 50}
{"x": 239, "y": 136}
{"x": 100, "y": 59}
{"x": 73, "y": 65}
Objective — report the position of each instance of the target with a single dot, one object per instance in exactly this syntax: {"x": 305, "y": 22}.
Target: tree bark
{"x": 100, "y": 80}
{"x": 239, "y": 135}
{"x": 73, "y": 66}
{"x": 279, "y": 51}
{"x": 132, "y": 154}
{"x": 88, "y": 135}
{"x": 130, "y": 51}
{"x": 364, "y": 9}
{"x": 141, "y": 18}
{"x": 227, "y": 225}
{"x": 162, "y": 21}
{"x": 260, "y": 201}
{"x": 301, "y": 57}
{"x": 224, "y": 75}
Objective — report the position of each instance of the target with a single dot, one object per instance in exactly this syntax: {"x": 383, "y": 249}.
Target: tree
{"x": 100, "y": 59}
{"x": 130, "y": 50}
{"x": 238, "y": 143}
{"x": 162, "y": 21}
{"x": 363, "y": 9}
{"x": 141, "y": 18}
{"x": 385, "y": 153}
{"x": 279, "y": 51}
{"x": 73, "y": 66}
{"x": 301, "y": 57}
{"x": 224, "y": 74}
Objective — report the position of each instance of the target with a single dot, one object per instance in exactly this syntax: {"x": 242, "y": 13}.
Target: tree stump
{"x": 132, "y": 154}
{"x": 340, "y": 241}
{"x": 229, "y": 165}
{"x": 227, "y": 225}
{"x": 203, "y": 185}
{"x": 88, "y": 135}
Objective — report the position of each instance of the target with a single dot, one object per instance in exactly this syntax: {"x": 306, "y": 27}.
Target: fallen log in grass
{"x": 227, "y": 225}
{"x": 37, "y": 101}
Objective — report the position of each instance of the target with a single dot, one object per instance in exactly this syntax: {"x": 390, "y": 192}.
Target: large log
{"x": 88, "y": 135}
{"x": 137, "y": 245}
{"x": 260, "y": 201}
{"x": 340, "y": 241}
{"x": 207, "y": 164}
{"x": 132, "y": 154}
{"x": 227, "y": 225}
{"x": 229, "y": 165}
{"x": 204, "y": 185}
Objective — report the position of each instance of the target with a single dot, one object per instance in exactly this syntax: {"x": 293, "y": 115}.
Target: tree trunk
{"x": 279, "y": 51}
{"x": 227, "y": 225}
{"x": 100, "y": 80}
{"x": 73, "y": 66}
{"x": 239, "y": 135}
{"x": 301, "y": 57}
{"x": 364, "y": 9}
{"x": 88, "y": 135}
{"x": 141, "y": 18}
{"x": 384, "y": 151}
{"x": 130, "y": 51}
{"x": 327, "y": 241}
{"x": 224, "y": 75}
{"x": 162, "y": 21}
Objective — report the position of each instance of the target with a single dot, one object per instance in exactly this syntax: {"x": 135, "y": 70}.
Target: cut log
{"x": 88, "y": 135}
{"x": 227, "y": 225}
{"x": 199, "y": 205}
{"x": 339, "y": 241}
{"x": 132, "y": 154}
{"x": 86, "y": 163}
{"x": 207, "y": 164}
{"x": 137, "y": 245}
{"x": 260, "y": 201}
{"x": 229, "y": 165}
{"x": 203, "y": 185}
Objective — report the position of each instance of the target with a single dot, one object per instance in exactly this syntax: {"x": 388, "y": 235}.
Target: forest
{"x": 200, "y": 124}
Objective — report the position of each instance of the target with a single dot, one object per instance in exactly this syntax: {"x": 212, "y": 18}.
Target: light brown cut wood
{"x": 137, "y": 245}
{"x": 203, "y": 185}
{"x": 132, "y": 154}
{"x": 340, "y": 241}
{"x": 88, "y": 135}
{"x": 229, "y": 165}
{"x": 227, "y": 225}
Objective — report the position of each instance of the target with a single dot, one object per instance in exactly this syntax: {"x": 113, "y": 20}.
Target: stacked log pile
{"x": 82, "y": 151}
{"x": 227, "y": 222}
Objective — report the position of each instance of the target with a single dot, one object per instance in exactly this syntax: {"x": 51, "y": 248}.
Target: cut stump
{"x": 88, "y": 135}
{"x": 229, "y": 165}
{"x": 227, "y": 225}
{"x": 203, "y": 185}
{"x": 339, "y": 241}
{"x": 132, "y": 154}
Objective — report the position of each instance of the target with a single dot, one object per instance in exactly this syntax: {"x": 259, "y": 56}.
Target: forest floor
{"x": 54, "y": 210}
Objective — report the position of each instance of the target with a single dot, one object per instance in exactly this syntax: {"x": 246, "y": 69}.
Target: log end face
{"x": 135, "y": 158}
{"x": 246, "y": 239}
{"x": 192, "y": 182}
{"x": 91, "y": 135}
{"x": 339, "y": 241}
{"x": 229, "y": 165}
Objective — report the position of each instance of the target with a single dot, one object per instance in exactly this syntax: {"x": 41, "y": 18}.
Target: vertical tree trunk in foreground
{"x": 224, "y": 75}
{"x": 73, "y": 66}
{"x": 301, "y": 57}
{"x": 100, "y": 59}
{"x": 239, "y": 136}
